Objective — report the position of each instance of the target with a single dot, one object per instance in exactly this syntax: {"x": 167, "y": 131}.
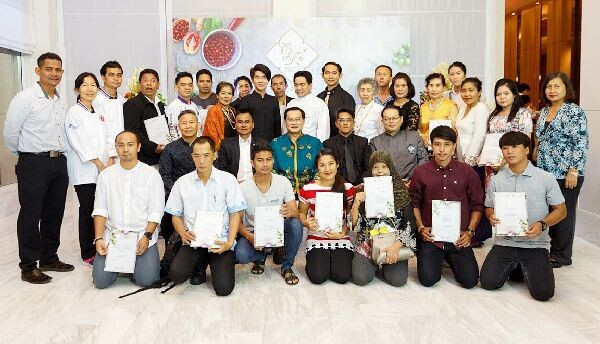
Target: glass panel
{"x": 10, "y": 69}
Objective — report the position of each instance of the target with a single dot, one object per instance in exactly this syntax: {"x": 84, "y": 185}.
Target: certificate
{"x": 329, "y": 211}
{"x": 121, "y": 251}
{"x": 511, "y": 209}
{"x": 491, "y": 154}
{"x": 434, "y": 123}
{"x": 268, "y": 226}
{"x": 158, "y": 130}
{"x": 379, "y": 197}
{"x": 207, "y": 228}
{"x": 445, "y": 220}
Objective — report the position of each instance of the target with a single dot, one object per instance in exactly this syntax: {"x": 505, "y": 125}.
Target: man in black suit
{"x": 334, "y": 95}
{"x": 234, "y": 154}
{"x": 143, "y": 106}
{"x": 353, "y": 151}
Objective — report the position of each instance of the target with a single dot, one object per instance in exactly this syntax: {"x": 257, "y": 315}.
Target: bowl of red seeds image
{"x": 221, "y": 49}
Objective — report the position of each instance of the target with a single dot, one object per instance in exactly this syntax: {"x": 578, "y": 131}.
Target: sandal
{"x": 290, "y": 277}
{"x": 258, "y": 268}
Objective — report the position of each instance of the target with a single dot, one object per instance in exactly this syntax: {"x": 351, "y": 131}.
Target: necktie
{"x": 349, "y": 163}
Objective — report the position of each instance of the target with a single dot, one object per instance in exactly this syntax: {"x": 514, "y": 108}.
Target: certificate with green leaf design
{"x": 121, "y": 251}
{"x": 268, "y": 227}
{"x": 208, "y": 228}
{"x": 329, "y": 211}
{"x": 379, "y": 197}
{"x": 445, "y": 220}
{"x": 511, "y": 209}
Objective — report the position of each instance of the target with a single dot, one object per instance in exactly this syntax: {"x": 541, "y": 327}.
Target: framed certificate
{"x": 445, "y": 220}
{"x": 158, "y": 130}
{"x": 207, "y": 228}
{"x": 379, "y": 197}
{"x": 511, "y": 209}
{"x": 329, "y": 211}
{"x": 121, "y": 251}
{"x": 491, "y": 154}
{"x": 268, "y": 227}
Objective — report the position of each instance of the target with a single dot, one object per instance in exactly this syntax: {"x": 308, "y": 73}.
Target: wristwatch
{"x": 96, "y": 240}
{"x": 470, "y": 231}
{"x": 544, "y": 225}
{"x": 148, "y": 235}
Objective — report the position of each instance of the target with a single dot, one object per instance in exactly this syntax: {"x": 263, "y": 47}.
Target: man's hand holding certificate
{"x": 268, "y": 227}
{"x": 445, "y": 220}
{"x": 510, "y": 209}
{"x": 207, "y": 229}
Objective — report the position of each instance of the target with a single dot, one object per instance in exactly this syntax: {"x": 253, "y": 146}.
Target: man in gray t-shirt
{"x": 514, "y": 257}
{"x": 268, "y": 189}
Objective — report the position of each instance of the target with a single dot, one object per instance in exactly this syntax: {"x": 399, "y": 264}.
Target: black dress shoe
{"x": 198, "y": 278}
{"x": 35, "y": 276}
{"x": 57, "y": 266}
{"x": 556, "y": 264}
{"x": 278, "y": 255}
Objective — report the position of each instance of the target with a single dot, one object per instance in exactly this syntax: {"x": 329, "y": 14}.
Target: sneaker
{"x": 89, "y": 261}
{"x": 57, "y": 266}
{"x": 35, "y": 276}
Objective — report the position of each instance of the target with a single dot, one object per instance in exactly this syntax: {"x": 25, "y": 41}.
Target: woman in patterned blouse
{"x": 561, "y": 148}
{"x": 220, "y": 119}
{"x": 403, "y": 225}
{"x": 402, "y": 91}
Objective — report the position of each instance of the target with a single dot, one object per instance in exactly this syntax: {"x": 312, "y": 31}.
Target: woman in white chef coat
{"x": 90, "y": 151}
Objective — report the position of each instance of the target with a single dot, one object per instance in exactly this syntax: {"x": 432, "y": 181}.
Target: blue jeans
{"x": 292, "y": 238}
{"x": 147, "y": 268}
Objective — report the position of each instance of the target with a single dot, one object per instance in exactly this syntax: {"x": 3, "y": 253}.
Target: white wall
{"x": 590, "y": 102}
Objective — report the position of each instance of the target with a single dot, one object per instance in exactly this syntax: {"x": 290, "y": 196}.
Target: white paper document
{"x": 202, "y": 114}
{"x": 121, "y": 251}
{"x": 379, "y": 197}
{"x": 329, "y": 211}
{"x": 434, "y": 123}
{"x": 158, "y": 130}
{"x": 268, "y": 227}
{"x": 511, "y": 209}
{"x": 445, "y": 220}
{"x": 491, "y": 154}
{"x": 207, "y": 228}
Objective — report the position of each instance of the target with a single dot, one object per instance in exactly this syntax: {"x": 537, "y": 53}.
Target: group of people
{"x": 231, "y": 157}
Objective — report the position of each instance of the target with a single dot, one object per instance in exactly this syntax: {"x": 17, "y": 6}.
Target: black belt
{"x": 50, "y": 154}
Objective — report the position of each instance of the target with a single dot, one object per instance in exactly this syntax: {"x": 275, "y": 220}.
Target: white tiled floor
{"x": 264, "y": 309}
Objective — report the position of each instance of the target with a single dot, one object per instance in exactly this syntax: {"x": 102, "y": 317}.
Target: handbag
{"x": 381, "y": 241}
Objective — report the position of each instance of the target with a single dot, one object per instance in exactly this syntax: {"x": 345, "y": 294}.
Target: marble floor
{"x": 264, "y": 309}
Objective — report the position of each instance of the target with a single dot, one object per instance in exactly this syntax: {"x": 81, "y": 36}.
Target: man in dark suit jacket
{"x": 334, "y": 95}
{"x": 234, "y": 154}
{"x": 348, "y": 146}
{"x": 143, "y": 106}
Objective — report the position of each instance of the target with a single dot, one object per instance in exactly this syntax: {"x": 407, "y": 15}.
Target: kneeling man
{"x": 130, "y": 197}
{"x": 526, "y": 257}
{"x": 211, "y": 191}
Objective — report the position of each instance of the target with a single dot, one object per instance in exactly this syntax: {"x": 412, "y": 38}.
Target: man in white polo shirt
{"x": 35, "y": 130}
{"x": 129, "y": 197}
{"x": 212, "y": 190}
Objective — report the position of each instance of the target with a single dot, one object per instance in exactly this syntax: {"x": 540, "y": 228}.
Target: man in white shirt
{"x": 109, "y": 102}
{"x": 211, "y": 190}
{"x": 184, "y": 85}
{"x": 265, "y": 188}
{"x": 316, "y": 122}
{"x": 234, "y": 153}
{"x": 34, "y": 129}
{"x": 130, "y": 197}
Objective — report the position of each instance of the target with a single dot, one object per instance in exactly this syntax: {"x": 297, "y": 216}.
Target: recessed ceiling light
{"x": 513, "y": 14}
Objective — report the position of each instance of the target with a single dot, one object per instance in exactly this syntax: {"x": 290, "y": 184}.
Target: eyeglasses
{"x": 391, "y": 119}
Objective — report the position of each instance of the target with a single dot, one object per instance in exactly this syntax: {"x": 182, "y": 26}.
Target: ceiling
{"x": 514, "y": 5}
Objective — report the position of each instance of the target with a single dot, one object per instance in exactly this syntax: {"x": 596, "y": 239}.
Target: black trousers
{"x": 86, "y": 195}
{"x": 42, "y": 184}
{"x": 166, "y": 226}
{"x": 529, "y": 264}
{"x": 563, "y": 233}
{"x": 461, "y": 260}
{"x": 222, "y": 267}
{"x": 323, "y": 264}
